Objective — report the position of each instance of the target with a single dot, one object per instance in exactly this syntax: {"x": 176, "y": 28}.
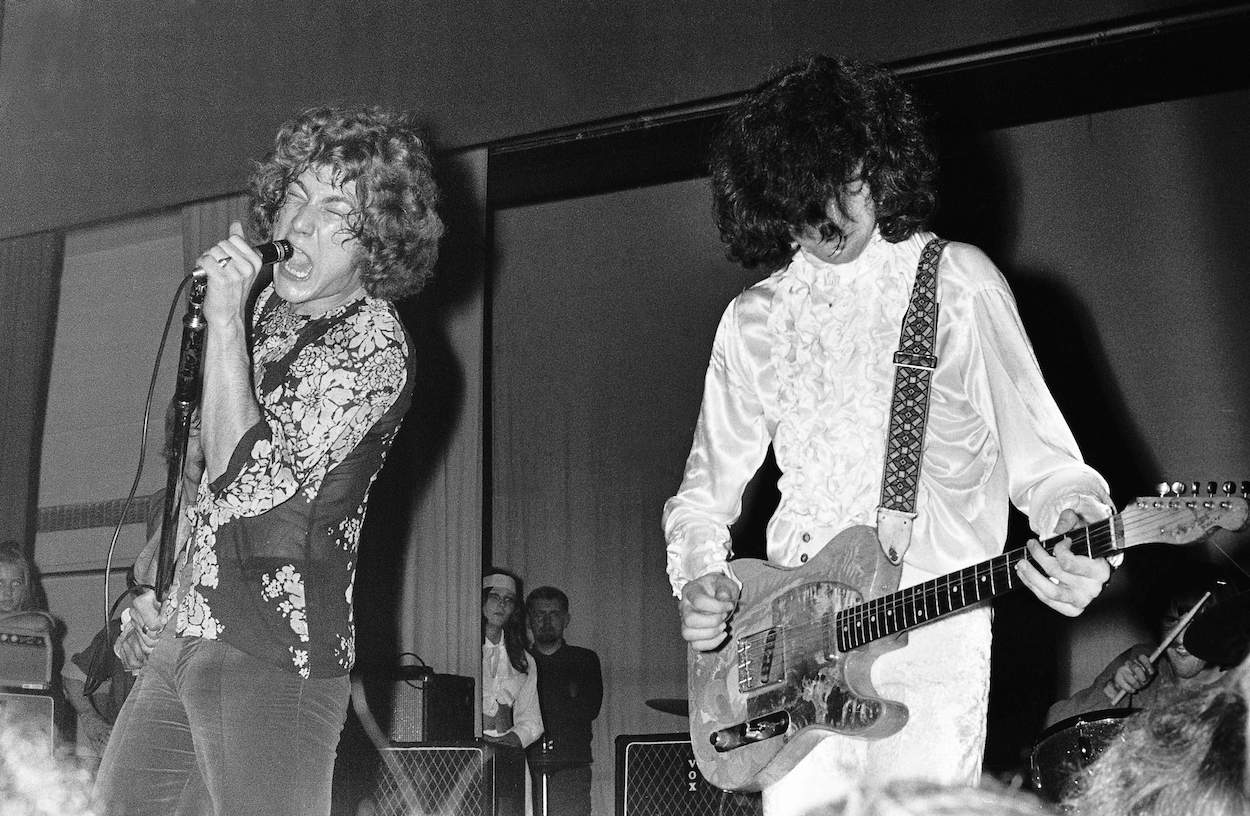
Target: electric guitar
{"x": 803, "y": 639}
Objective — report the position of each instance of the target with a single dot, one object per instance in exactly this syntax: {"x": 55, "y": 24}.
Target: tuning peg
{"x": 1211, "y": 488}
{"x": 1245, "y": 488}
{"x": 1163, "y": 488}
{"x": 1195, "y": 488}
{"x": 1229, "y": 488}
{"x": 1178, "y": 488}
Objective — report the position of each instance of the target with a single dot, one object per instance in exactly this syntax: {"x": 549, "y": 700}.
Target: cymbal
{"x": 1220, "y": 633}
{"x": 671, "y": 705}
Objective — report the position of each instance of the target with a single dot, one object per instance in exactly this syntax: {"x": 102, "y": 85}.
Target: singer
{"x": 243, "y": 687}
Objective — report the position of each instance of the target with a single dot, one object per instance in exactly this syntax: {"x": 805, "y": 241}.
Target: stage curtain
{"x": 603, "y": 311}
{"x": 441, "y": 445}
{"x": 207, "y": 222}
{"x": 30, "y": 278}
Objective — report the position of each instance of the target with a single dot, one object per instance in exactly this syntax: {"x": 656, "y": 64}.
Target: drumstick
{"x": 1171, "y": 636}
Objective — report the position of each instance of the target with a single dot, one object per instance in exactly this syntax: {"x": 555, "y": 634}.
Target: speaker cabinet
{"x": 33, "y": 713}
{"x": 470, "y": 779}
{"x": 656, "y": 775}
{"x": 431, "y": 708}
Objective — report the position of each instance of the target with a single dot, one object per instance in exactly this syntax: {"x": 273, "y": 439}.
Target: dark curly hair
{"x": 383, "y": 153}
{"x": 795, "y": 143}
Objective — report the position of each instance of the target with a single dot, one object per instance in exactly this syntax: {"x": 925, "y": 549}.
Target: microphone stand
{"x": 186, "y": 398}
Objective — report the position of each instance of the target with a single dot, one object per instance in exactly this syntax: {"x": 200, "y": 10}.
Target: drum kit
{"x": 1219, "y": 634}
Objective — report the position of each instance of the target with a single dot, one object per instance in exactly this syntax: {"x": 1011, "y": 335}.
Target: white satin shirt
{"x": 804, "y": 360}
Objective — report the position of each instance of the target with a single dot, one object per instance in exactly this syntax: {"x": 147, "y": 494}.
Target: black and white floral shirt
{"x": 273, "y": 552}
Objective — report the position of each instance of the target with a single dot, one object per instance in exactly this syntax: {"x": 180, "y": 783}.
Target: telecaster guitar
{"x": 803, "y": 639}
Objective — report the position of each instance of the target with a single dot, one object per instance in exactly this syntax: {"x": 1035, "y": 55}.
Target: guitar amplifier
{"x": 469, "y": 779}
{"x": 25, "y": 659}
{"x": 431, "y": 707}
{"x": 32, "y": 714}
{"x": 656, "y": 775}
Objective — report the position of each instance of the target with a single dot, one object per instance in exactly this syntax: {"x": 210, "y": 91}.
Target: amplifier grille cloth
{"x": 662, "y": 779}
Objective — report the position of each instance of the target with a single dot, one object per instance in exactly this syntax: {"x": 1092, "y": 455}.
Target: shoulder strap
{"x": 909, "y": 408}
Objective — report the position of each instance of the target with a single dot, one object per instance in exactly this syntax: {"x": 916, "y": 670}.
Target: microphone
{"x": 270, "y": 252}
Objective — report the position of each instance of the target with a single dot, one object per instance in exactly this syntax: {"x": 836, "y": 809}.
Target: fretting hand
{"x": 1071, "y": 581}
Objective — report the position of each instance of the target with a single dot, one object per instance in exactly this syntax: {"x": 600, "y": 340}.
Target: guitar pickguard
{"x": 780, "y": 682}
{"x": 807, "y": 678}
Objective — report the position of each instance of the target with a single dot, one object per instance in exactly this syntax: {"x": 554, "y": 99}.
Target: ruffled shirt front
{"x": 804, "y": 361}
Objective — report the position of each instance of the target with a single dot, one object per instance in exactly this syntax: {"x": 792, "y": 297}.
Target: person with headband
{"x": 510, "y": 710}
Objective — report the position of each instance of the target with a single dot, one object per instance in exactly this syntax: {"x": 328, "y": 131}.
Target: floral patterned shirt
{"x": 273, "y": 553}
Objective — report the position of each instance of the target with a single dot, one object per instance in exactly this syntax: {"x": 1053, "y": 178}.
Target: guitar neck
{"x": 916, "y": 605}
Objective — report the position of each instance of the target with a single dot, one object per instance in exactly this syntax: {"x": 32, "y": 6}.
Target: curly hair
{"x": 1185, "y": 754}
{"x": 382, "y": 152}
{"x": 514, "y": 637}
{"x": 792, "y": 146}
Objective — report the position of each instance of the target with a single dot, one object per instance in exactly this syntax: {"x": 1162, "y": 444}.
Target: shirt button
{"x": 803, "y": 558}
{"x": 807, "y": 537}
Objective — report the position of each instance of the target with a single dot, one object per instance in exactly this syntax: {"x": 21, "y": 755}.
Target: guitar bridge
{"x": 751, "y": 731}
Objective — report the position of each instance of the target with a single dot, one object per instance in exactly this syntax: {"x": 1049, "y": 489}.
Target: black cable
{"x": 109, "y": 605}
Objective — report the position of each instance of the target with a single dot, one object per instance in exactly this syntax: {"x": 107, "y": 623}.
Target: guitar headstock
{"x": 1182, "y": 513}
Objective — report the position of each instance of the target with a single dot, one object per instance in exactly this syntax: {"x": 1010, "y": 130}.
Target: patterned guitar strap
{"x": 914, "y": 363}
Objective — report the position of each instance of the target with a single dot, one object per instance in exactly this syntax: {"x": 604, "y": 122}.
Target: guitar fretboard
{"x": 907, "y": 608}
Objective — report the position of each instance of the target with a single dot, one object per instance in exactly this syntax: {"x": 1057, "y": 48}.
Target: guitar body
{"x": 780, "y": 664}
{"x": 803, "y": 640}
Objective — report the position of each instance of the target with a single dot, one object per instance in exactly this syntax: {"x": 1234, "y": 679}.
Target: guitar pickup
{"x": 751, "y": 731}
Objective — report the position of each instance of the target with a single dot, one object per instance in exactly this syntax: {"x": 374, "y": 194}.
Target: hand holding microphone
{"x": 270, "y": 252}
{"x": 230, "y": 267}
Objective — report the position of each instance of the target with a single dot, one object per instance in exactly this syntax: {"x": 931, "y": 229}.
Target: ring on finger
{"x": 223, "y": 261}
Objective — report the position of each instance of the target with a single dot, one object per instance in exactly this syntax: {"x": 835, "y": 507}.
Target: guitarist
{"x": 823, "y": 178}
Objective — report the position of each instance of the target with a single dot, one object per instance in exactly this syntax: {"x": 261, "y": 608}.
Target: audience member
{"x": 510, "y": 711}
{"x": 19, "y": 588}
{"x": 1184, "y": 755}
{"x": 570, "y": 692}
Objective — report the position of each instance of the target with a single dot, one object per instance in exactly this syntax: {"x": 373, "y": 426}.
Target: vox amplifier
{"x": 656, "y": 775}
{"x": 471, "y": 779}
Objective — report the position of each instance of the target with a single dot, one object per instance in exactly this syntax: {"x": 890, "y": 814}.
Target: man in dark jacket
{"x": 570, "y": 692}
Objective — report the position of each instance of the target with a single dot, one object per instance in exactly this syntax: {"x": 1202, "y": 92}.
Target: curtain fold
{"x": 207, "y": 222}
{"x": 30, "y": 279}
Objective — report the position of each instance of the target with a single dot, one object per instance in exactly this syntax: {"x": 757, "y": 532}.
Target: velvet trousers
{"x": 208, "y": 729}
